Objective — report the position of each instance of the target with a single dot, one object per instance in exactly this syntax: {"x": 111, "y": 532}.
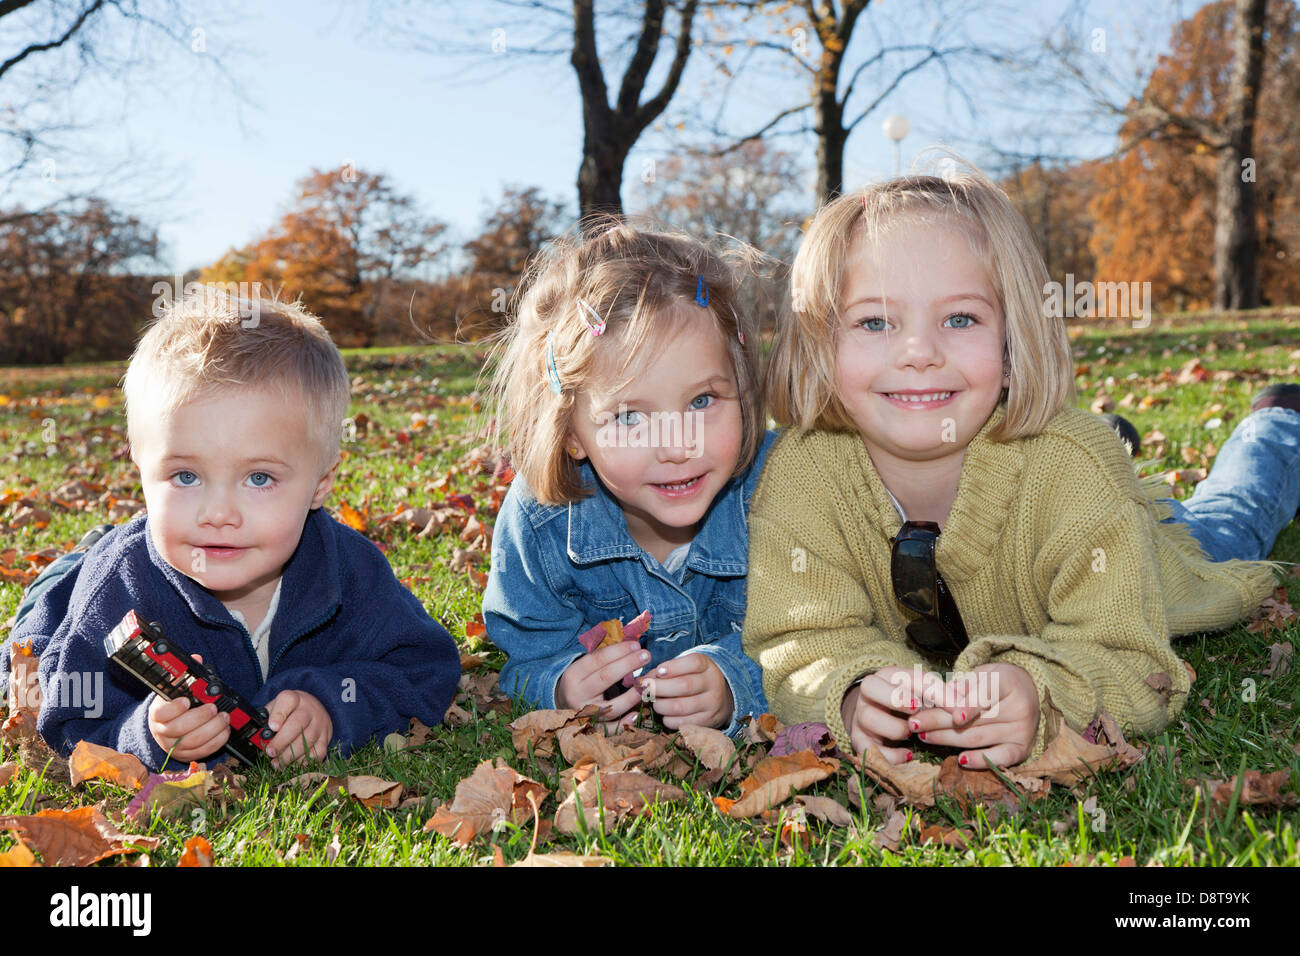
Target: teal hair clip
{"x": 552, "y": 376}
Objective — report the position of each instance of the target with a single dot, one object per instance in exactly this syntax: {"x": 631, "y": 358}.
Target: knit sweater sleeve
{"x": 1082, "y": 546}
{"x": 809, "y": 620}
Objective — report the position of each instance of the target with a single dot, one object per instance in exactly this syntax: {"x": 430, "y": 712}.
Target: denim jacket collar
{"x": 597, "y": 531}
{"x": 314, "y": 583}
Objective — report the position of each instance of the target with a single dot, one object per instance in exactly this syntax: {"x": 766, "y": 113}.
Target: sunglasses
{"x": 939, "y": 633}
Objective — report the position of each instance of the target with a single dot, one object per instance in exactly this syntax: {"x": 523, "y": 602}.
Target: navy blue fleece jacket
{"x": 345, "y": 631}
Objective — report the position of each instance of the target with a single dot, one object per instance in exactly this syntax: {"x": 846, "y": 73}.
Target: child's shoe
{"x": 1126, "y": 432}
{"x": 1278, "y": 396}
{"x": 92, "y": 536}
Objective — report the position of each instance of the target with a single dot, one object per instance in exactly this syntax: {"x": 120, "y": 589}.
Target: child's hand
{"x": 302, "y": 728}
{"x": 878, "y": 710}
{"x": 184, "y": 733}
{"x": 690, "y": 690}
{"x": 586, "y": 680}
{"x": 996, "y": 717}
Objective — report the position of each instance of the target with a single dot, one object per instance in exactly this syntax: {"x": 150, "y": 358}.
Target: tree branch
{"x": 53, "y": 44}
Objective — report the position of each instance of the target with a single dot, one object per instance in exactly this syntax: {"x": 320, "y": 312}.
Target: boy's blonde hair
{"x": 1036, "y": 348}
{"x": 209, "y": 340}
{"x": 633, "y": 279}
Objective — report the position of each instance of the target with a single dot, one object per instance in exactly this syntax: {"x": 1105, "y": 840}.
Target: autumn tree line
{"x": 1199, "y": 199}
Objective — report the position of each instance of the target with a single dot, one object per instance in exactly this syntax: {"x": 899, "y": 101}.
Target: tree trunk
{"x": 1236, "y": 242}
{"x": 609, "y": 133}
{"x": 831, "y": 139}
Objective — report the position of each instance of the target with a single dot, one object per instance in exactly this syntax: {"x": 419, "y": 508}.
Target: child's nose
{"x": 919, "y": 349}
{"x": 219, "y": 509}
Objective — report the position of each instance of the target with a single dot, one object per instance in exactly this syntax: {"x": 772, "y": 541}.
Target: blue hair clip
{"x": 552, "y": 376}
{"x": 701, "y": 292}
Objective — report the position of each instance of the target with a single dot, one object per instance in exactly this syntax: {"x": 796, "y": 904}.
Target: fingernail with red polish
{"x": 915, "y": 725}
{"x": 913, "y": 705}
{"x": 909, "y": 757}
{"x": 921, "y": 735}
{"x": 963, "y": 716}
{"x": 962, "y": 760}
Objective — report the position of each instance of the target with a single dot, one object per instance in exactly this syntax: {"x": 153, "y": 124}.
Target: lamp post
{"x": 896, "y": 127}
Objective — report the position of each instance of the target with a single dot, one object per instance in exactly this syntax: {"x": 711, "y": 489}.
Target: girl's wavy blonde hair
{"x": 634, "y": 279}
{"x": 801, "y": 372}
{"x": 209, "y": 340}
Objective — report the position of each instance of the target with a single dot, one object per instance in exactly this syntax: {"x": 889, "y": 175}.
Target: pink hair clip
{"x": 595, "y": 323}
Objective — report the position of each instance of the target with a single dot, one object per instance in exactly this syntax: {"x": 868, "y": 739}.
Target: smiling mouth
{"x": 919, "y": 398}
{"x": 679, "y": 486}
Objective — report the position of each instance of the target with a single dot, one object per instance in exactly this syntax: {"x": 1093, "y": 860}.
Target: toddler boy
{"x": 234, "y": 416}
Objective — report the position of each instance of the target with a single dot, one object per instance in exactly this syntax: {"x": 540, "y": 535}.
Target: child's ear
{"x": 326, "y": 484}
{"x": 573, "y": 447}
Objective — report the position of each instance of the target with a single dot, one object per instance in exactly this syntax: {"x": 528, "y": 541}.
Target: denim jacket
{"x": 559, "y": 570}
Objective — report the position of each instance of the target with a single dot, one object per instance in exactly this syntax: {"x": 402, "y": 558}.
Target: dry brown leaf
{"x": 776, "y": 779}
{"x": 536, "y": 729}
{"x": 7, "y": 771}
{"x": 912, "y": 782}
{"x": 896, "y": 824}
{"x": 1257, "y": 789}
{"x": 1279, "y": 659}
{"x": 24, "y": 694}
{"x": 490, "y": 795}
{"x": 824, "y": 808}
{"x": 375, "y": 793}
{"x": 762, "y": 729}
{"x": 711, "y": 747}
{"x": 419, "y": 732}
{"x": 1162, "y": 684}
{"x": 617, "y": 794}
{"x": 1071, "y": 757}
{"x": 579, "y": 742}
{"x": 93, "y": 762}
{"x": 969, "y": 787}
{"x": 957, "y": 839}
{"x": 74, "y": 837}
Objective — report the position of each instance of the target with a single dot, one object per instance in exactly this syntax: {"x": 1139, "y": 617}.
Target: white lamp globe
{"x": 896, "y": 127}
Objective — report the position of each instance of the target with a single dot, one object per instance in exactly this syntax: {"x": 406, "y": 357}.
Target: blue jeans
{"x": 48, "y": 577}
{"x": 1253, "y": 490}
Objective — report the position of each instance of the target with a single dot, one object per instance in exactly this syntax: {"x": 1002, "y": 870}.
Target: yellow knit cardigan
{"x": 1053, "y": 551}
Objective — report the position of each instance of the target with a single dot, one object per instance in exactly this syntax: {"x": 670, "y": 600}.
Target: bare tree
{"x": 1226, "y": 129}
{"x": 610, "y": 131}
{"x": 50, "y": 47}
{"x": 637, "y": 35}
{"x": 846, "y": 85}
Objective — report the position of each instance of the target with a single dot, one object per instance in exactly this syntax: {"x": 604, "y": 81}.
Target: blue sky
{"x": 319, "y": 84}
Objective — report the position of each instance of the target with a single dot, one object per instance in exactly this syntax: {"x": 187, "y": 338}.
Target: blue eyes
{"x": 631, "y": 419}
{"x": 960, "y": 320}
{"x": 258, "y": 479}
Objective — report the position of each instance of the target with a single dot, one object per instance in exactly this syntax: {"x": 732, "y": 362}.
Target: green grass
{"x": 1153, "y": 813}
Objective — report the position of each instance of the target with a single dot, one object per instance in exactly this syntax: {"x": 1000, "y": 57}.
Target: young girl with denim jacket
{"x": 630, "y": 393}
{"x": 972, "y": 552}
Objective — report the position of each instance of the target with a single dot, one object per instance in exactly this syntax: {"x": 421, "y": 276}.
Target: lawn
{"x": 416, "y": 445}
